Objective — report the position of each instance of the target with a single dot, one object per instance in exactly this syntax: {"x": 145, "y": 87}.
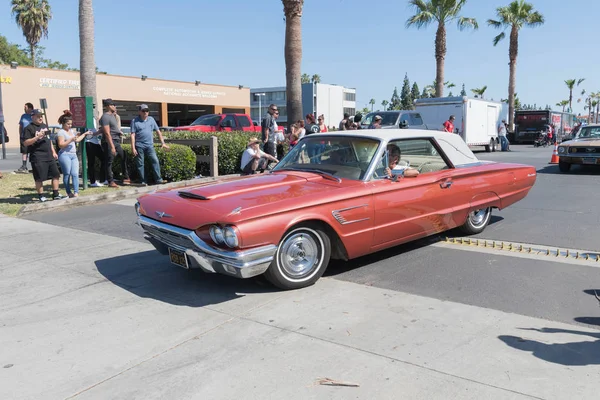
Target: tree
{"x": 563, "y": 104}
{"x": 406, "y": 95}
{"x": 316, "y": 78}
{"x": 463, "y": 92}
{"x": 395, "y": 102}
{"x": 305, "y": 78}
{"x": 416, "y": 94}
{"x": 10, "y": 52}
{"x": 384, "y": 103}
{"x": 514, "y": 16}
{"x": 571, "y": 85}
{"x": 292, "y": 10}
{"x": 365, "y": 110}
{"x": 450, "y": 94}
{"x": 441, "y": 12}
{"x": 479, "y": 91}
{"x": 87, "y": 63}
{"x": 32, "y": 16}
{"x": 372, "y": 103}
{"x": 428, "y": 92}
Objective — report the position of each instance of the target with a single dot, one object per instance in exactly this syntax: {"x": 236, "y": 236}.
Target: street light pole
{"x": 259, "y": 106}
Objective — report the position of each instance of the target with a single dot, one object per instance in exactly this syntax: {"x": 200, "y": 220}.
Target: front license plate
{"x": 178, "y": 258}
{"x": 589, "y": 161}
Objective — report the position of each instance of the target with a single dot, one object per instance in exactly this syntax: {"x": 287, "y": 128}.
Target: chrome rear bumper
{"x": 238, "y": 263}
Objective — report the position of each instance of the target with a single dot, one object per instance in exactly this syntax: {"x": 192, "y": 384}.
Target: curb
{"x": 121, "y": 194}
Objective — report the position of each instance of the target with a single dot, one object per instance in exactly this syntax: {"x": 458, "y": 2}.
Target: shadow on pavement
{"x": 552, "y": 169}
{"x": 573, "y": 353}
{"x": 150, "y": 275}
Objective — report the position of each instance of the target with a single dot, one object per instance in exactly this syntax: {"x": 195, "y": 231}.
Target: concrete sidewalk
{"x": 90, "y": 316}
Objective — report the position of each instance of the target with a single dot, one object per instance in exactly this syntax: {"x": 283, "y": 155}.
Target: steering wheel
{"x": 424, "y": 164}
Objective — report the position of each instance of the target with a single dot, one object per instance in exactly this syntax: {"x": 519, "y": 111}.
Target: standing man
{"x": 111, "y": 145}
{"x": 342, "y": 126}
{"x": 502, "y": 135}
{"x": 36, "y": 138}
{"x": 23, "y": 122}
{"x": 268, "y": 131}
{"x": 449, "y": 125}
{"x": 142, "y": 129}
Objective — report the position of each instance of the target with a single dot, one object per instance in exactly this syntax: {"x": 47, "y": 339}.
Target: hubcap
{"x": 478, "y": 217}
{"x": 299, "y": 254}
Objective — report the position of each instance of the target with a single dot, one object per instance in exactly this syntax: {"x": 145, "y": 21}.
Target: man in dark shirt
{"x": 111, "y": 145}
{"x": 23, "y": 122}
{"x": 268, "y": 131}
{"x": 42, "y": 155}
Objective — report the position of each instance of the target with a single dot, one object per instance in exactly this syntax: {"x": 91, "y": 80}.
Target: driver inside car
{"x": 391, "y": 172}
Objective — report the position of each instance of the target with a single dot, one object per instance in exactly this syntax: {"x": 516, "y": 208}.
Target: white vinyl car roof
{"x": 452, "y": 144}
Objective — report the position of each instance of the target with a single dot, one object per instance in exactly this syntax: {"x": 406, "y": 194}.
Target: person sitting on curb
{"x": 142, "y": 143}
{"x": 254, "y": 159}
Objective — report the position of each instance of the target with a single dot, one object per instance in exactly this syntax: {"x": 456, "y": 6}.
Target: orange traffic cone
{"x": 554, "y": 159}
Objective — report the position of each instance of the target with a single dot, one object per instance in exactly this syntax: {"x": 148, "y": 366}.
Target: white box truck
{"x": 476, "y": 121}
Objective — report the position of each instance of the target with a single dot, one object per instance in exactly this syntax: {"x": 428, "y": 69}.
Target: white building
{"x": 317, "y": 98}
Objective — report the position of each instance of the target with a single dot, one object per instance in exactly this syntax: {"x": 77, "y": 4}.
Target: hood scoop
{"x": 190, "y": 195}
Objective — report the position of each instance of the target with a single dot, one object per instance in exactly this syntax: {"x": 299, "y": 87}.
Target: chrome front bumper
{"x": 238, "y": 263}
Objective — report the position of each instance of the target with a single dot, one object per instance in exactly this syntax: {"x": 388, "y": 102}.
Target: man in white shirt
{"x": 502, "y": 135}
{"x": 254, "y": 159}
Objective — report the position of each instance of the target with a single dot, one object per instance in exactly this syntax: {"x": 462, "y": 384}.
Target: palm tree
{"x": 316, "y": 78}
{"x": 563, "y": 104}
{"x": 441, "y": 12}
{"x": 479, "y": 91}
{"x": 87, "y": 62}
{"x": 384, "y": 103}
{"x": 292, "y": 10}
{"x": 514, "y": 16}
{"x": 372, "y": 103}
{"x": 571, "y": 85}
{"x": 32, "y": 16}
{"x": 305, "y": 78}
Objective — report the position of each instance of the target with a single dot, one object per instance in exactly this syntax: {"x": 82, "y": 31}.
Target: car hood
{"x": 236, "y": 199}
{"x": 582, "y": 142}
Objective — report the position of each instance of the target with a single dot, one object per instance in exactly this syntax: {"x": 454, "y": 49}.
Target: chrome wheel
{"x": 478, "y": 217}
{"x": 477, "y": 221}
{"x": 299, "y": 254}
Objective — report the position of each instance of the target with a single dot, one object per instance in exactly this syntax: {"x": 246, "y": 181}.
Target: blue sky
{"x": 354, "y": 43}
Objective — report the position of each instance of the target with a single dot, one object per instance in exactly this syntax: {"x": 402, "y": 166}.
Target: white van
{"x": 476, "y": 120}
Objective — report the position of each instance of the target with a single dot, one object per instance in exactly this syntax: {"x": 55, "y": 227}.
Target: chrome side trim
{"x": 340, "y": 218}
{"x": 240, "y": 263}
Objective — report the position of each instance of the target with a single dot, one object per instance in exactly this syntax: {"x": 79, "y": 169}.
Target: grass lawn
{"x": 16, "y": 190}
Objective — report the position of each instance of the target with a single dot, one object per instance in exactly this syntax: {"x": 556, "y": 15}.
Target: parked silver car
{"x": 395, "y": 119}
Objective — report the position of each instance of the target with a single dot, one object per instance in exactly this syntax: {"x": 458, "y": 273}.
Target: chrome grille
{"x": 168, "y": 237}
{"x": 586, "y": 150}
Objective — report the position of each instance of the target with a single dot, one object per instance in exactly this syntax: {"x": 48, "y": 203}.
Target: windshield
{"x": 207, "y": 120}
{"x": 387, "y": 118}
{"x": 589, "y": 132}
{"x": 342, "y": 157}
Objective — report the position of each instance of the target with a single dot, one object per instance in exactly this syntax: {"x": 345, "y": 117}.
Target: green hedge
{"x": 178, "y": 163}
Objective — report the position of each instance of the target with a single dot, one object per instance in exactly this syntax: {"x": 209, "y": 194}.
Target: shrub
{"x": 176, "y": 164}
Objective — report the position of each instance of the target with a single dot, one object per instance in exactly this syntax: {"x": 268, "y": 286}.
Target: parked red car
{"x": 333, "y": 196}
{"x": 221, "y": 122}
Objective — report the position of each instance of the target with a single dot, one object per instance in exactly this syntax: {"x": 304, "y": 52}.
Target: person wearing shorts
{"x": 42, "y": 155}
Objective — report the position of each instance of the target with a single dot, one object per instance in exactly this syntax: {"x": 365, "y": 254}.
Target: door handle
{"x": 446, "y": 184}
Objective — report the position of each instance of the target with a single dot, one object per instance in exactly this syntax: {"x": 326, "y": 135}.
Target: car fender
{"x": 486, "y": 199}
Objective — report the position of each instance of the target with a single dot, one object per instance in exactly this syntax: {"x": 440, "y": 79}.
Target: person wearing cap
{"x": 254, "y": 159}
{"x": 111, "y": 145}
{"x": 42, "y": 155}
{"x": 376, "y": 124}
{"x": 142, "y": 143}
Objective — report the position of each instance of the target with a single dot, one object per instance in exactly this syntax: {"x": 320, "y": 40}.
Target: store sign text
{"x": 59, "y": 83}
{"x": 5, "y": 79}
{"x": 205, "y": 94}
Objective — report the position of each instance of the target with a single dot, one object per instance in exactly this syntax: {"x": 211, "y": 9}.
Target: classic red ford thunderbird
{"x": 333, "y": 196}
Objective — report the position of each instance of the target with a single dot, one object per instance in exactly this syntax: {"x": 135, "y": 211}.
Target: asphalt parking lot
{"x": 117, "y": 320}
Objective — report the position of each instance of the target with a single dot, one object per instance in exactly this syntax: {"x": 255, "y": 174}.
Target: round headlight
{"x": 216, "y": 234}
{"x": 231, "y": 238}
{"x": 561, "y": 150}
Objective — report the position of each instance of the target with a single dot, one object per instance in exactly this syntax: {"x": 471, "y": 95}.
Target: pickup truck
{"x": 221, "y": 122}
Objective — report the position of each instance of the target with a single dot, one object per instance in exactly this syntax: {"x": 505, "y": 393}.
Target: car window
{"x": 416, "y": 119}
{"x": 229, "y": 121}
{"x": 589, "y": 132}
{"x": 207, "y": 120}
{"x": 340, "y": 156}
{"x": 419, "y": 154}
{"x": 244, "y": 121}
